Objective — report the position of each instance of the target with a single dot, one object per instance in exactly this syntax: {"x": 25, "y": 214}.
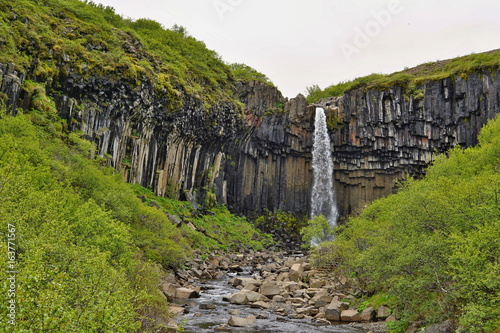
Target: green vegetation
{"x": 246, "y": 73}
{"x": 434, "y": 247}
{"x": 55, "y": 38}
{"x": 413, "y": 77}
{"x": 280, "y": 220}
{"x": 216, "y": 229}
{"x": 89, "y": 254}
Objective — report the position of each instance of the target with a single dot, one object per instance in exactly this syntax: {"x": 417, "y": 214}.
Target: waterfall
{"x": 323, "y": 200}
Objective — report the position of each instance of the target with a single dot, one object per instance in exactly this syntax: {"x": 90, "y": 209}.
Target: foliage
{"x": 434, "y": 245}
{"x": 246, "y": 73}
{"x": 280, "y": 220}
{"x": 78, "y": 257}
{"x": 317, "y": 231}
{"x": 216, "y": 229}
{"x": 54, "y": 38}
{"x": 413, "y": 77}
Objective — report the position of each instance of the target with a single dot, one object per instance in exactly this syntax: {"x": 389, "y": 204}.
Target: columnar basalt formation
{"x": 262, "y": 159}
{"x": 382, "y": 136}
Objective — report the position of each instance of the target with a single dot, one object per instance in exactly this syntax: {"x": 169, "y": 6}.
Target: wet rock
{"x": 253, "y": 296}
{"x": 239, "y": 281}
{"x": 186, "y": 293}
{"x": 260, "y": 305}
{"x": 239, "y": 298}
{"x": 205, "y": 306}
{"x": 242, "y": 322}
{"x": 175, "y": 310}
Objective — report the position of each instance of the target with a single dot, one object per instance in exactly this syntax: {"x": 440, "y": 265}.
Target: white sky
{"x": 298, "y": 43}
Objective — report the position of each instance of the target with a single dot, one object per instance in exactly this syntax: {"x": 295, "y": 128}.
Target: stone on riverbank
{"x": 242, "y": 322}
{"x": 350, "y": 315}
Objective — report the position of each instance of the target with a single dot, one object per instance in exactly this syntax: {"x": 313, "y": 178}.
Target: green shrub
{"x": 433, "y": 245}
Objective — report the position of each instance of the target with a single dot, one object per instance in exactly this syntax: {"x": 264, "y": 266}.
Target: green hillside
{"x": 433, "y": 248}
{"x": 58, "y": 37}
{"x": 412, "y": 77}
{"x": 89, "y": 255}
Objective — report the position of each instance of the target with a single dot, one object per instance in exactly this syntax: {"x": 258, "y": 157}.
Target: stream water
{"x": 198, "y": 320}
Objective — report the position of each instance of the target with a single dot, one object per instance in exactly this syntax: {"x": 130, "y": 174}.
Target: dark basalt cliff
{"x": 262, "y": 159}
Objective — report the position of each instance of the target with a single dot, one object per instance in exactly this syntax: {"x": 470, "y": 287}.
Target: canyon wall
{"x": 261, "y": 160}
{"x": 382, "y": 136}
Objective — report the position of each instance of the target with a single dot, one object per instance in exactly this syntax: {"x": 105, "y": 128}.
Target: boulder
{"x": 242, "y": 322}
{"x": 260, "y": 305}
{"x": 175, "y": 310}
{"x": 169, "y": 289}
{"x": 269, "y": 267}
{"x": 296, "y": 271}
{"x": 332, "y": 313}
{"x": 336, "y": 304}
{"x": 245, "y": 282}
{"x": 238, "y": 298}
{"x": 250, "y": 287}
{"x": 186, "y": 293}
{"x": 279, "y": 299}
{"x": 444, "y": 327}
{"x": 350, "y": 315}
{"x": 270, "y": 289}
{"x": 320, "y": 303}
{"x": 368, "y": 314}
{"x": 253, "y": 296}
{"x": 383, "y": 312}
{"x": 291, "y": 286}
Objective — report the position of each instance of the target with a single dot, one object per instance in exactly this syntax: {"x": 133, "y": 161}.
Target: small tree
{"x": 317, "y": 231}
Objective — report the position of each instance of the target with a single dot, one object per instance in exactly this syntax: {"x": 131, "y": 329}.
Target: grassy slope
{"x": 89, "y": 253}
{"x": 411, "y": 78}
{"x": 69, "y": 35}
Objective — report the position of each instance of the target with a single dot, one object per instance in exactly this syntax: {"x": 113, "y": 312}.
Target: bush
{"x": 318, "y": 230}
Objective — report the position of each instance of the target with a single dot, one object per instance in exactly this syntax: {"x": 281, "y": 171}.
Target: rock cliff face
{"x": 382, "y": 136}
{"x": 262, "y": 159}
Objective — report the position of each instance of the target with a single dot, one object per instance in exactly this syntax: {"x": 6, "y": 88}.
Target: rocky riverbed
{"x": 265, "y": 292}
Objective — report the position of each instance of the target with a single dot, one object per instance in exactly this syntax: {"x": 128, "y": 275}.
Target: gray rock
{"x": 383, "y": 312}
{"x": 296, "y": 271}
{"x": 444, "y": 327}
{"x": 368, "y": 314}
{"x": 332, "y": 313}
{"x": 260, "y": 305}
{"x": 242, "y": 322}
{"x": 350, "y": 315}
{"x": 270, "y": 289}
{"x": 238, "y": 298}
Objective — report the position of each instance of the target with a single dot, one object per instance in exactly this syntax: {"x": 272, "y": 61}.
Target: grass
{"x": 51, "y": 39}
{"x": 413, "y": 77}
{"x": 217, "y": 229}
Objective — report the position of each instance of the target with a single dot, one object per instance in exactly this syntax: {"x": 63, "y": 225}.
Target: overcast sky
{"x": 298, "y": 43}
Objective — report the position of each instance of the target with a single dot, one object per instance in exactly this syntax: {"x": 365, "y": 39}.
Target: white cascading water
{"x": 323, "y": 200}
